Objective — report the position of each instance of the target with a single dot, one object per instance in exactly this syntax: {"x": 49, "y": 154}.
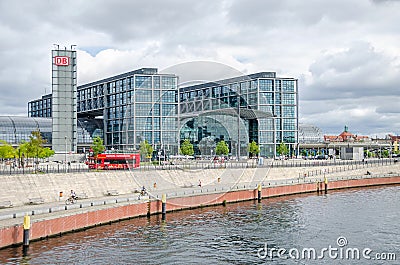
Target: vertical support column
{"x": 326, "y": 184}
{"x": 259, "y": 192}
{"x": 163, "y": 206}
{"x": 27, "y": 226}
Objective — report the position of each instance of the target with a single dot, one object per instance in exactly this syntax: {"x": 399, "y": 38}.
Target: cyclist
{"x": 73, "y": 195}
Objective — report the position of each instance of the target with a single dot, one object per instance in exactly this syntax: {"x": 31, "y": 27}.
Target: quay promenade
{"x": 112, "y": 195}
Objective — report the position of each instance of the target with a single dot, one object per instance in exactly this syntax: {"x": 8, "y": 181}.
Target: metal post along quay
{"x": 27, "y": 226}
{"x": 163, "y": 206}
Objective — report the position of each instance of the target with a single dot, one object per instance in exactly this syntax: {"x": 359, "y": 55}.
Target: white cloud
{"x": 344, "y": 52}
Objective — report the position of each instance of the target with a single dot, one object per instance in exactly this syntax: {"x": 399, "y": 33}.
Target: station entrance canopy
{"x": 247, "y": 114}
{"x": 206, "y": 128}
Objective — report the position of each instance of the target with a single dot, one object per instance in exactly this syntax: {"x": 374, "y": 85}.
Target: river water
{"x": 336, "y": 226}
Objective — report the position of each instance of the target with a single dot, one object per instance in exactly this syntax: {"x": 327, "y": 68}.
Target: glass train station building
{"x": 143, "y": 104}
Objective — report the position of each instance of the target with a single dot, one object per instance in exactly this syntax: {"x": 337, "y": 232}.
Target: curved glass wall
{"x": 309, "y": 134}
{"x": 16, "y": 129}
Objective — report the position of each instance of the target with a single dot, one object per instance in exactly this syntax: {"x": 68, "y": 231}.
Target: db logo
{"x": 61, "y": 60}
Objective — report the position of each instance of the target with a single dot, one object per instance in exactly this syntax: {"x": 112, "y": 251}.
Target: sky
{"x": 344, "y": 53}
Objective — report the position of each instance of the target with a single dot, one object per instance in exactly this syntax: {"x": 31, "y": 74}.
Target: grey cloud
{"x": 359, "y": 71}
{"x": 294, "y": 13}
{"x": 343, "y": 51}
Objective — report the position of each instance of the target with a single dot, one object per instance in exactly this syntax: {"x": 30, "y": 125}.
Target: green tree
{"x": 22, "y": 152}
{"x": 35, "y": 144}
{"x": 304, "y": 153}
{"x": 97, "y": 146}
{"x": 282, "y": 149}
{"x": 222, "y": 148}
{"x": 46, "y": 152}
{"x": 253, "y": 149}
{"x": 6, "y": 150}
{"x": 187, "y": 148}
{"x": 385, "y": 153}
{"x": 146, "y": 150}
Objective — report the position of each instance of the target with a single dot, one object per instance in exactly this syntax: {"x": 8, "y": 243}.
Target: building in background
{"x": 345, "y": 136}
{"x": 133, "y": 107}
{"x": 310, "y": 134}
{"x": 145, "y": 105}
{"x": 41, "y": 107}
{"x": 258, "y": 107}
{"x": 17, "y": 129}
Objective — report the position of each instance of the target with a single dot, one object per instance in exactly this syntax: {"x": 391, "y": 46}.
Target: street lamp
{"x": 274, "y": 134}
{"x": 65, "y": 150}
{"x": 238, "y": 124}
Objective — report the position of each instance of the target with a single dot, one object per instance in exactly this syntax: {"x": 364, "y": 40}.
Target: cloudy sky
{"x": 345, "y": 53}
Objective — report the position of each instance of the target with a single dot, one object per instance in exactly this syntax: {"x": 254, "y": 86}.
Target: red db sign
{"x": 61, "y": 60}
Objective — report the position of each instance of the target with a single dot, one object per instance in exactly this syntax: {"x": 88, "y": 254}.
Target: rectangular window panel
{"x": 143, "y": 81}
{"x": 266, "y": 85}
{"x": 168, "y": 82}
{"x": 143, "y": 109}
{"x": 143, "y": 95}
{"x": 288, "y": 85}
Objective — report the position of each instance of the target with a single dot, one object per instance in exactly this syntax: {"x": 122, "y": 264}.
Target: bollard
{"x": 318, "y": 187}
{"x": 27, "y": 226}
{"x": 326, "y": 184}
{"x": 259, "y": 192}
{"x": 163, "y": 206}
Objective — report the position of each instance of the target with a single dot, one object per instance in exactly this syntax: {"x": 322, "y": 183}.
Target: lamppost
{"x": 66, "y": 147}
{"x": 65, "y": 150}
{"x": 238, "y": 124}
{"x": 274, "y": 134}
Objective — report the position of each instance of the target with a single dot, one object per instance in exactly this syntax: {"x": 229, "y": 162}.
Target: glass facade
{"x": 41, "y": 107}
{"x": 310, "y": 134}
{"x": 261, "y": 92}
{"x": 144, "y": 105}
{"x": 16, "y": 129}
{"x": 136, "y": 106}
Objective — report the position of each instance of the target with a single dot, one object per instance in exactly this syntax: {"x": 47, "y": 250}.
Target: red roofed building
{"x": 345, "y": 136}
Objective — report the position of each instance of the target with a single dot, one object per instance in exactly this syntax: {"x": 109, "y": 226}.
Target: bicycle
{"x": 70, "y": 200}
{"x": 143, "y": 193}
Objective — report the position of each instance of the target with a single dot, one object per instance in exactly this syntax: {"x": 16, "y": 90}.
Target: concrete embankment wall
{"x": 19, "y": 188}
{"x": 48, "y": 226}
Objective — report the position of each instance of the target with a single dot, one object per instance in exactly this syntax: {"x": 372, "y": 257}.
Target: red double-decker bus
{"x": 114, "y": 161}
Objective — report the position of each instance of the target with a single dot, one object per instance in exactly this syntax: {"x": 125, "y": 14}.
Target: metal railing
{"x": 343, "y": 165}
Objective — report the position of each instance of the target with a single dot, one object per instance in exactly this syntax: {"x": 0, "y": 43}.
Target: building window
{"x": 143, "y": 96}
{"x": 168, "y": 110}
{"x": 266, "y": 85}
{"x": 168, "y": 96}
{"x": 288, "y": 85}
{"x": 168, "y": 82}
{"x": 143, "y": 81}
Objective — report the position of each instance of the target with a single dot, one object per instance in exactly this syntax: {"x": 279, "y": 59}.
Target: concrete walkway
{"x": 19, "y": 188}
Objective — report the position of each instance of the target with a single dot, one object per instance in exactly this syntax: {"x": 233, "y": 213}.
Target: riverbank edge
{"x": 56, "y": 226}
